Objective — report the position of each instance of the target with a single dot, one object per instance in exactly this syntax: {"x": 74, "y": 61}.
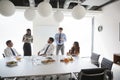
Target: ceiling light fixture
{"x": 7, "y": 8}
{"x": 30, "y": 12}
{"x": 78, "y": 12}
{"x": 58, "y": 15}
{"x": 44, "y": 8}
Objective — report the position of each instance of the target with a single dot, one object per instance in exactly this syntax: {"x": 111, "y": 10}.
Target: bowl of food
{"x": 47, "y": 61}
{"x": 11, "y": 63}
{"x": 18, "y": 58}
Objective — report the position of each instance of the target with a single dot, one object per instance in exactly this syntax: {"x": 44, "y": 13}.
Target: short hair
{"x": 60, "y": 28}
{"x": 51, "y": 39}
{"x": 8, "y": 41}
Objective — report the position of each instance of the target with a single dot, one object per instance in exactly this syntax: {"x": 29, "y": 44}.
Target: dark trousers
{"x": 27, "y": 49}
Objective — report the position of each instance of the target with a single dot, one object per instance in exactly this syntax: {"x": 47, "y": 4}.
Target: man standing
{"x": 60, "y": 38}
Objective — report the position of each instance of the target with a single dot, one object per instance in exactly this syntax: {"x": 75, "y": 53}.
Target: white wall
{"x": 75, "y": 30}
{"x": 107, "y": 42}
{"x": 13, "y": 28}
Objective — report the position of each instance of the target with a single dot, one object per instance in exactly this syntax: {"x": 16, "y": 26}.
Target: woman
{"x": 27, "y": 39}
{"x": 75, "y": 50}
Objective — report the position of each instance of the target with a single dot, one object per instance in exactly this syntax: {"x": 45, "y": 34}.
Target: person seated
{"x": 75, "y": 49}
{"x": 9, "y": 51}
{"x": 48, "y": 49}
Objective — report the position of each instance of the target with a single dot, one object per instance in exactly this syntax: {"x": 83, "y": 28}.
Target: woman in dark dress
{"x": 27, "y": 39}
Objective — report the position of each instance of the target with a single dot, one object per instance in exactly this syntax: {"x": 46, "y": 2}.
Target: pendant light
{"x": 7, "y": 8}
{"x": 58, "y": 15}
{"x": 44, "y": 8}
{"x": 78, "y": 12}
{"x": 30, "y": 13}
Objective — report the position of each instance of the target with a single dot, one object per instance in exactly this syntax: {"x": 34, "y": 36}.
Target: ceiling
{"x": 68, "y": 4}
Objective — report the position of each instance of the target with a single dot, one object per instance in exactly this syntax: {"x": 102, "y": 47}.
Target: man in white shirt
{"x": 48, "y": 48}
{"x": 9, "y": 51}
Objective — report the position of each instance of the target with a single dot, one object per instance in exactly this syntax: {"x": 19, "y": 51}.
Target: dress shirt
{"x": 62, "y": 40}
{"x": 8, "y": 52}
{"x": 50, "y": 49}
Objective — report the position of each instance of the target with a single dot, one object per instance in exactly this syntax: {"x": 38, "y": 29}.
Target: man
{"x": 60, "y": 39}
{"x": 9, "y": 51}
{"x": 48, "y": 48}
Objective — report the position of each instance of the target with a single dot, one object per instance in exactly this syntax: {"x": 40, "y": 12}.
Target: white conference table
{"x": 32, "y": 66}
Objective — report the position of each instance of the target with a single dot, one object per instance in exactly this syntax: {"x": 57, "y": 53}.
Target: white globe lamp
{"x": 44, "y": 9}
{"x": 58, "y": 16}
{"x": 7, "y": 8}
{"x": 30, "y": 13}
{"x": 78, "y": 12}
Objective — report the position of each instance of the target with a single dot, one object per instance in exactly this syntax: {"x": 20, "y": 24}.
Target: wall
{"x": 75, "y": 30}
{"x": 107, "y": 41}
{"x": 43, "y": 28}
{"x": 13, "y": 28}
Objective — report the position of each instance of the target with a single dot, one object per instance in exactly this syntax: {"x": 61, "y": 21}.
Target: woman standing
{"x": 27, "y": 39}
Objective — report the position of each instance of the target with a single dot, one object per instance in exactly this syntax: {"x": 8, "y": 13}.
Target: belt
{"x": 60, "y": 45}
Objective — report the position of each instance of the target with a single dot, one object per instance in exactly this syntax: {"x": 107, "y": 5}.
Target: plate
{"x": 11, "y": 63}
{"x": 47, "y": 61}
{"x": 49, "y": 58}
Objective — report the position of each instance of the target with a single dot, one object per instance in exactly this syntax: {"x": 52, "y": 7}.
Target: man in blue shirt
{"x": 60, "y": 38}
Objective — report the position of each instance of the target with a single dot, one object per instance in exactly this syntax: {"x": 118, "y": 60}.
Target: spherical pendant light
{"x": 78, "y": 12}
{"x": 58, "y": 16}
{"x": 7, "y": 8}
{"x": 30, "y": 13}
{"x": 44, "y": 9}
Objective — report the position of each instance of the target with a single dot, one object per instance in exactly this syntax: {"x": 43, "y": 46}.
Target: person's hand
{"x": 43, "y": 55}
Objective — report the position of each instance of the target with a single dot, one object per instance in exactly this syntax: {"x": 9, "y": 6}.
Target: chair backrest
{"x": 106, "y": 64}
{"x": 1, "y": 78}
{"x": 92, "y": 74}
{"x": 95, "y": 59}
{"x": 3, "y": 55}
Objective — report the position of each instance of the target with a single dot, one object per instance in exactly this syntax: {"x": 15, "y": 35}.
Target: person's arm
{"x": 23, "y": 40}
{"x": 51, "y": 49}
{"x": 17, "y": 54}
{"x": 56, "y": 38}
{"x": 32, "y": 39}
{"x": 7, "y": 53}
{"x": 65, "y": 37}
{"x": 42, "y": 50}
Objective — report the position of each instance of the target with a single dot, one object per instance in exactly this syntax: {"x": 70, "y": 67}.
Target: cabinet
{"x": 116, "y": 58}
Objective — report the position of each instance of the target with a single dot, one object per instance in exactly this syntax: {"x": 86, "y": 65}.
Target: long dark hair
{"x": 76, "y": 47}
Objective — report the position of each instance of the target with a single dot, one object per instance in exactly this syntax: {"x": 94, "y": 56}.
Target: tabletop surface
{"x": 32, "y": 66}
